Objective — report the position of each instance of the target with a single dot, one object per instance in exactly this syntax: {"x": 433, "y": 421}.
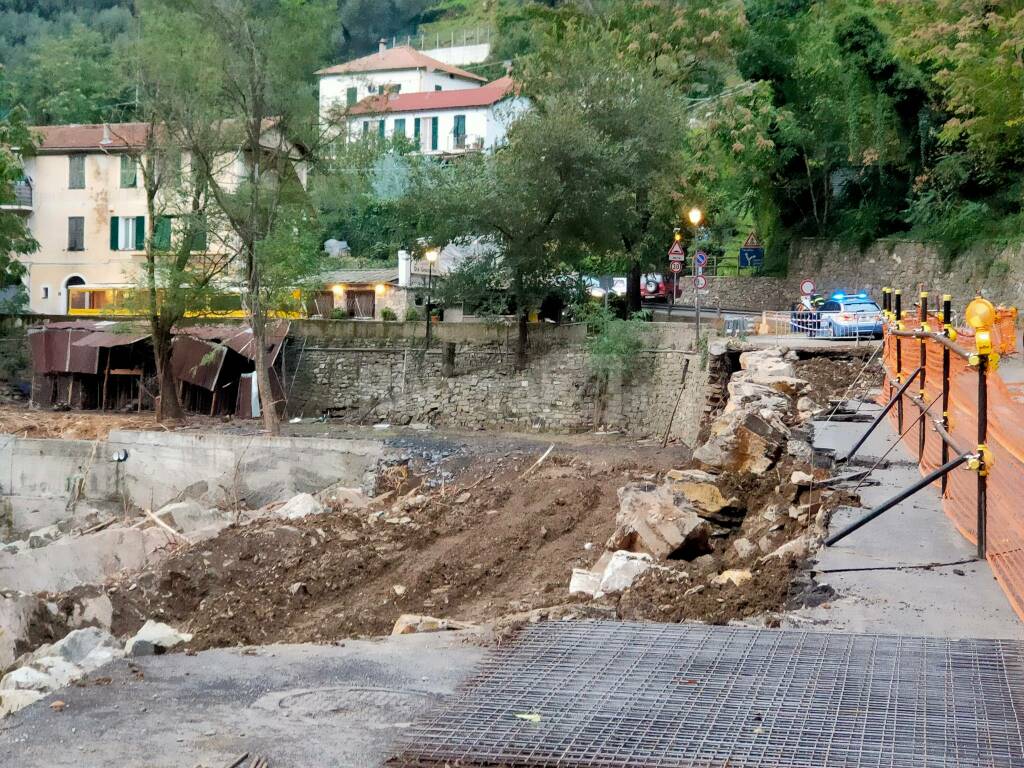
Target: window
{"x": 366, "y": 127}
{"x": 416, "y": 129}
{"x": 380, "y": 128}
{"x": 127, "y": 233}
{"x": 830, "y": 306}
{"x": 438, "y": 88}
{"x": 46, "y": 292}
{"x": 129, "y": 172}
{"x": 433, "y": 133}
{"x": 460, "y": 126}
{"x": 76, "y": 172}
{"x": 351, "y": 96}
{"x": 400, "y": 127}
{"x": 197, "y": 234}
{"x": 162, "y": 234}
{"x": 76, "y": 233}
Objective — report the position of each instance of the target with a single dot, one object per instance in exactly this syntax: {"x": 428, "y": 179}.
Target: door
{"x": 360, "y": 303}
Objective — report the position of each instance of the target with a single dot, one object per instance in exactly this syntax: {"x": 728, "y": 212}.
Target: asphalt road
{"x": 296, "y": 705}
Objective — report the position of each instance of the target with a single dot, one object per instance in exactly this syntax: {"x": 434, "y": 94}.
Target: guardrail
{"x": 818, "y": 325}
{"x": 966, "y": 416}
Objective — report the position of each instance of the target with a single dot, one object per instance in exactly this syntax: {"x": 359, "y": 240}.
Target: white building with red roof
{"x": 403, "y": 92}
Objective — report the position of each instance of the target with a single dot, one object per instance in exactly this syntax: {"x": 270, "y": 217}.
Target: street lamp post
{"x": 696, "y": 216}
{"x": 431, "y": 257}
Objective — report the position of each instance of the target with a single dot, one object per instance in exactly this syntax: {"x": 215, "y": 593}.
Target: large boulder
{"x": 771, "y": 362}
{"x": 302, "y": 505}
{"x": 88, "y": 648}
{"x": 194, "y": 520}
{"x": 622, "y": 570}
{"x": 743, "y": 441}
{"x": 700, "y": 489}
{"x": 654, "y": 520}
{"x": 154, "y": 639}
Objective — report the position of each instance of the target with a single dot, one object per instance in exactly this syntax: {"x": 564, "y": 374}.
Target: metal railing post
{"x": 898, "y": 296}
{"x": 924, "y": 372}
{"x": 947, "y": 327}
{"x": 982, "y": 451}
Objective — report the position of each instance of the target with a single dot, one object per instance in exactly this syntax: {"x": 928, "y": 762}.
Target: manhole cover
{"x": 372, "y": 707}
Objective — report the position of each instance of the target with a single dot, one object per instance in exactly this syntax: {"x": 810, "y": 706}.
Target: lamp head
{"x": 696, "y": 216}
{"x": 432, "y": 255}
{"x": 980, "y": 314}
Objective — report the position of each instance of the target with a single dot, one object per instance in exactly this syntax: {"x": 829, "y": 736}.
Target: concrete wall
{"x": 395, "y": 380}
{"x": 898, "y": 263}
{"x": 37, "y": 476}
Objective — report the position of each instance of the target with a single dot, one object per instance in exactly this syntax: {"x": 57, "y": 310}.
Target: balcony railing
{"x": 22, "y": 197}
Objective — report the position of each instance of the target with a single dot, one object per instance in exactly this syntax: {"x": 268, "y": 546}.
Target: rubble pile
{"x": 720, "y": 539}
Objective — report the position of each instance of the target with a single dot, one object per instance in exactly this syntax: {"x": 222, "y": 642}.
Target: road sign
{"x": 701, "y": 259}
{"x": 676, "y": 266}
{"x": 751, "y": 257}
{"x": 807, "y": 287}
{"x": 700, "y": 282}
{"x": 676, "y": 252}
{"x": 752, "y": 241}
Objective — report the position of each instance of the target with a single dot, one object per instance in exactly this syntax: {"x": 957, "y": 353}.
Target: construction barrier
{"x": 962, "y": 394}
{"x": 812, "y": 325}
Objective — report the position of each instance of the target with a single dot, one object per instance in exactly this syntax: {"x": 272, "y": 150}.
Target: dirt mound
{"x": 504, "y": 546}
{"x": 853, "y": 374}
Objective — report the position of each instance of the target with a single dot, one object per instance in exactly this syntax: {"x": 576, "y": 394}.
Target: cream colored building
{"x": 86, "y": 207}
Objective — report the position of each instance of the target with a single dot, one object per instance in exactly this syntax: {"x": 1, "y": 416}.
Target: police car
{"x": 852, "y": 315}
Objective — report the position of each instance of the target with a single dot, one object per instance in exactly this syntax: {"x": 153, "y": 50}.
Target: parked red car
{"x": 653, "y": 287}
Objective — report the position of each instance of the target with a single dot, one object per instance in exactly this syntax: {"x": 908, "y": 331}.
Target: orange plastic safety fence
{"x": 1005, "y": 440}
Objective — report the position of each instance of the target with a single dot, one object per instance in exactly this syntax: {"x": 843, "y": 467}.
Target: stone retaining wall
{"x": 478, "y": 388}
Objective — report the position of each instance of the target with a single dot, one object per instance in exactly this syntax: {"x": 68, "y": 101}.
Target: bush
{"x": 388, "y": 315}
{"x": 412, "y": 315}
{"x": 338, "y": 314}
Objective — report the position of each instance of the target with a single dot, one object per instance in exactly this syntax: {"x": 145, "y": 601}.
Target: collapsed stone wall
{"x": 477, "y": 387}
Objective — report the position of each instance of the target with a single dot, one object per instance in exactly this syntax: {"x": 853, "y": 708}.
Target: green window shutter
{"x": 129, "y": 172}
{"x": 416, "y": 128}
{"x": 433, "y": 132}
{"x": 400, "y": 127}
{"x": 140, "y": 233}
{"x": 114, "y": 221}
{"x": 162, "y": 235}
{"x": 380, "y": 128}
{"x": 351, "y": 96}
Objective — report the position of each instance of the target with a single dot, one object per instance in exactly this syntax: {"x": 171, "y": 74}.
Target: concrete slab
{"x": 908, "y": 571}
{"x": 297, "y": 705}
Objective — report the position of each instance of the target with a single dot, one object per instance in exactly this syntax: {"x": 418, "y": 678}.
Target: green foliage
{"x": 339, "y": 314}
{"x": 613, "y": 345}
{"x": 388, "y": 315}
{"x": 412, "y": 315}
{"x": 15, "y": 238}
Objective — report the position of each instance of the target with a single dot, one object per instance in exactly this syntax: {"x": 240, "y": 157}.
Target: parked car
{"x": 619, "y": 286}
{"x": 850, "y": 315}
{"x": 594, "y": 287}
{"x": 653, "y": 287}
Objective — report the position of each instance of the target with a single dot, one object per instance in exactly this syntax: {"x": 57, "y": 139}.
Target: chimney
{"x": 106, "y": 141}
{"x": 382, "y": 45}
{"x": 404, "y": 269}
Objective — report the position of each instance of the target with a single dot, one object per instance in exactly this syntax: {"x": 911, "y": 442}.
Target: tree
{"x": 243, "y": 101}
{"x": 536, "y": 201}
{"x": 636, "y": 112}
{"x": 74, "y": 78}
{"x": 15, "y": 239}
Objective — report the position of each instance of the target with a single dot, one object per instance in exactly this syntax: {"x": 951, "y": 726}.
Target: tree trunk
{"x": 521, "y": 340}
{"x": 268, "y": 404}
{"x": 168, "y": 406}
{"x": 633, "y": 288}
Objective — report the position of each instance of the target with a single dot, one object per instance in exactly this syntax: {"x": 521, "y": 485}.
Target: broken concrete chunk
{"x": 797, "y": 548}
{"x": 801, "y": 478}
{"x": 767, "y": 362}
{"x": 14, "y": 700}
{"x": 584, "y": 582}
{"x": 734, "y": 576}
{"x": 28, "y": 679}
{"x": 302, "y": 505}
{"x": 191, "y": 517}
{"x": 650, "y": 519}
{"x": 622, "y": 570}
{"x": 88, "y": 648}
{"x": 155, "y": 638}
{"x": 410, "y": 623}
{"x": 43, "y": 536}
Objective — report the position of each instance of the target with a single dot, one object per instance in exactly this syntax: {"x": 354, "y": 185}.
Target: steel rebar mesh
{"x": 588, "y": 693}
